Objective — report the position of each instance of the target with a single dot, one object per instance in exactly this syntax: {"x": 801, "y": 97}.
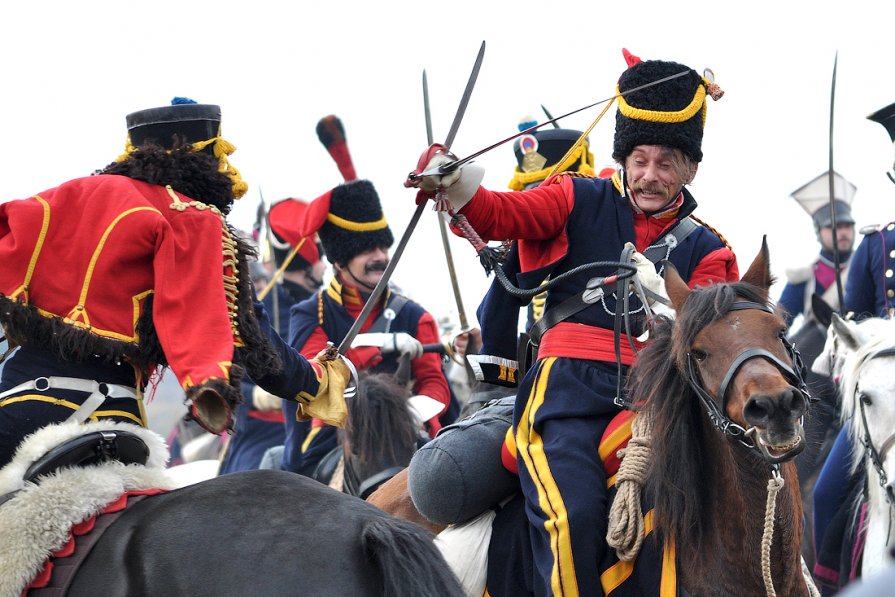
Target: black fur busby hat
{"x": 354, "y": 221}
{"x": 671, "y": 113}
{"x": 539, "y": 152}
{"x": 193, "y": 122}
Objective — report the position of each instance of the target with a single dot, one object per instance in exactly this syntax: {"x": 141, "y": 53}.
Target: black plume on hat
{"x": 355, "y": 222}
{"x": 662, "y": 123}
{"x": 886, "y": 117}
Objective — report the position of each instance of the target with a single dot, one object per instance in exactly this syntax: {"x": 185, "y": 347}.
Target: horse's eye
{"x": 699, "y": 355}
{"x": 782, "y": 334}
{"x": 866, "y": 400}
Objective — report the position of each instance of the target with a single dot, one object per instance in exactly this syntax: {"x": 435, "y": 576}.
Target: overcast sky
{"x": 73, "y": 70}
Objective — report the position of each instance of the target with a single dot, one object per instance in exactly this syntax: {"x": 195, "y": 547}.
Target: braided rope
{"x": 713, "y": 230}
{"x": 626, "y": 530}
{"x": 775, "y": 483}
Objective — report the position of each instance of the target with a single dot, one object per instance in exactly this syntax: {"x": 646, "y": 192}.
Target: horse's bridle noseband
{"x": 795, "y": 374}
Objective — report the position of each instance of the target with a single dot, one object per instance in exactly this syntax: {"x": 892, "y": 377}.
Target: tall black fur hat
{"x": 354, "y": 221}
{"x": 671, "y": 113}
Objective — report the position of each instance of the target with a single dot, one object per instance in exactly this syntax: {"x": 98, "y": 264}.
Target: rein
{"x": 716, "y": 413}
{"x": 877, "y": 457}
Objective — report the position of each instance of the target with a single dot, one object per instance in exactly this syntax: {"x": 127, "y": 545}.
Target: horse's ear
{"x": 677, "y": 289}
{"x": 845, "y": 331}
{"x": 759, "y": 273}
{"x": 823, "y": 312}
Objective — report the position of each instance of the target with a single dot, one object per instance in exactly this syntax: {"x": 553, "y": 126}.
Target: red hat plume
{"x": 332, "y": 134}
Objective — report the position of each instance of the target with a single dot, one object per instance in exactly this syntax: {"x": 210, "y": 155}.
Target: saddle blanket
{"x": 39, "y": 519}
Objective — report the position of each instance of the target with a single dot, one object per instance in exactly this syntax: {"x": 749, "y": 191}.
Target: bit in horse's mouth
{"x": 781, "y": 449}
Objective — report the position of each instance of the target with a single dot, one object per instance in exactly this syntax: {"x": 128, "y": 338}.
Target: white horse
{"x": 862, "y": 356}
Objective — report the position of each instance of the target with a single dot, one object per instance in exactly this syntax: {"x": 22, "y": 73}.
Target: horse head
{"x": 731, "y": 346}
{"x": 861, "y": 354}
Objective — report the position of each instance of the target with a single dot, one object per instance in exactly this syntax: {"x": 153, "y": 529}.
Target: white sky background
{"x": 73, "y": 70}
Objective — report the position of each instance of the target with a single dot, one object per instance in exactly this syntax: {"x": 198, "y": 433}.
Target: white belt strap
{"x": 98, "y": 391}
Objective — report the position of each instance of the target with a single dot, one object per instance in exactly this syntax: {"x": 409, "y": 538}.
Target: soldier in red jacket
{"x": 107, "y": 277}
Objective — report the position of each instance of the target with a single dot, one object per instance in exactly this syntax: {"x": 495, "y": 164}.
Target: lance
{"x": 268, "y": 235}
{"x": 550, "y": 116}
{"x": 836, "y": 256}
{"x": 399, "y": 250}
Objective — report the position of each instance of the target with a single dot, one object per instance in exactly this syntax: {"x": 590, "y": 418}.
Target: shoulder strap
{"x": 383, "y": 322}
{"x": 670, "y": 240}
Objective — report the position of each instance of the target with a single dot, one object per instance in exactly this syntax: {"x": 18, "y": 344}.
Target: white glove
{"x": 431, "y": 183}
{"x": 648, "y": 276}
{"x": 400, "y": 342}
{"x": 265, "y": 401}
{"x": 404, "y": 343}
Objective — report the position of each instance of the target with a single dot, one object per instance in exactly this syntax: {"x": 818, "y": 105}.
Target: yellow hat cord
{"x": 222, "y": 149}
{"x": 698, "y": 103}
{"x": 579, "y": 153}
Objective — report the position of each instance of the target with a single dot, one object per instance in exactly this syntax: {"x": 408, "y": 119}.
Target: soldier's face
{"x": 845, "y": 237}
{"x": 656, "y": 175}
{"x": 365, "y": 269}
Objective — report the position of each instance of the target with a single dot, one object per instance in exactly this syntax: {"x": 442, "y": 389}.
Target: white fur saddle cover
{"x": 37, "y": 521}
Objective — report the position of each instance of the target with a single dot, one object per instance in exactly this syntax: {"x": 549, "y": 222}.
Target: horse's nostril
{"x": 795, "y": 402}
{"x": 758, "y": 410}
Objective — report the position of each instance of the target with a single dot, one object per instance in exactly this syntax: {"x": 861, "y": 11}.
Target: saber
{"x": 451, "y": 166}
{"x": 442, "y": 226}
{"x": 836, "y": 257}
{"x": 399, "y": 250}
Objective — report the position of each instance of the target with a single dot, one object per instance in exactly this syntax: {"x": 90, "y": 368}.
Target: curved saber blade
{"x": 442, "y": 226}
{"x": 345, "y": 344}
{"x": 428, "y": 113}
{"x": 461, "y": 109}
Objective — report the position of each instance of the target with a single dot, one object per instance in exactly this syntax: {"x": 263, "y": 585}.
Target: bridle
{"x": 876, "y": 457}
{"x": 795, "y": 374}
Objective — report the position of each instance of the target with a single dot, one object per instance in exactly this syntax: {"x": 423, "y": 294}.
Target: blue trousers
{"x": 562, "y": 410}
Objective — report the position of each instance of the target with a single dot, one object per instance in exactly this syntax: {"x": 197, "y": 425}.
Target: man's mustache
{"x": 376, "y": 266}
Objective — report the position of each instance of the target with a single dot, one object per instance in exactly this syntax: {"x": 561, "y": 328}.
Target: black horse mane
{"x": 679, "y": 484}
{"x": 380, "y": 431}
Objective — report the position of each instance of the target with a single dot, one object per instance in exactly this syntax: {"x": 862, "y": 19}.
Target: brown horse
{"x": 725, "y": 396}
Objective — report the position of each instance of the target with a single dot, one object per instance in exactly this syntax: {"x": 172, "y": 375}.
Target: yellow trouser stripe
{"x": 530, "y": 445}
{"x": 668, "y": 584}
{"x": 619, "y": 572}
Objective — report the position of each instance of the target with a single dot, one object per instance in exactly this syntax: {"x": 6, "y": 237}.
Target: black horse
{"x": 261, "y": 532}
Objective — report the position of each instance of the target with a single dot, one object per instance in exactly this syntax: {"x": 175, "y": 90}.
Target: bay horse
{"x": 863, "y": 353}
{"x": 263, "y": 532}
{"x": 725, "y": 395}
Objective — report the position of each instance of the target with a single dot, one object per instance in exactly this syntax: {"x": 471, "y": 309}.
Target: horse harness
{"x": 877, "y": 457}
{"x": 795, "y": 374}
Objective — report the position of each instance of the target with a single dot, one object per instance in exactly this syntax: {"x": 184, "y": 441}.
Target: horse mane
{"x": 679, "y": 483}
{"x": 380, "y": 426}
